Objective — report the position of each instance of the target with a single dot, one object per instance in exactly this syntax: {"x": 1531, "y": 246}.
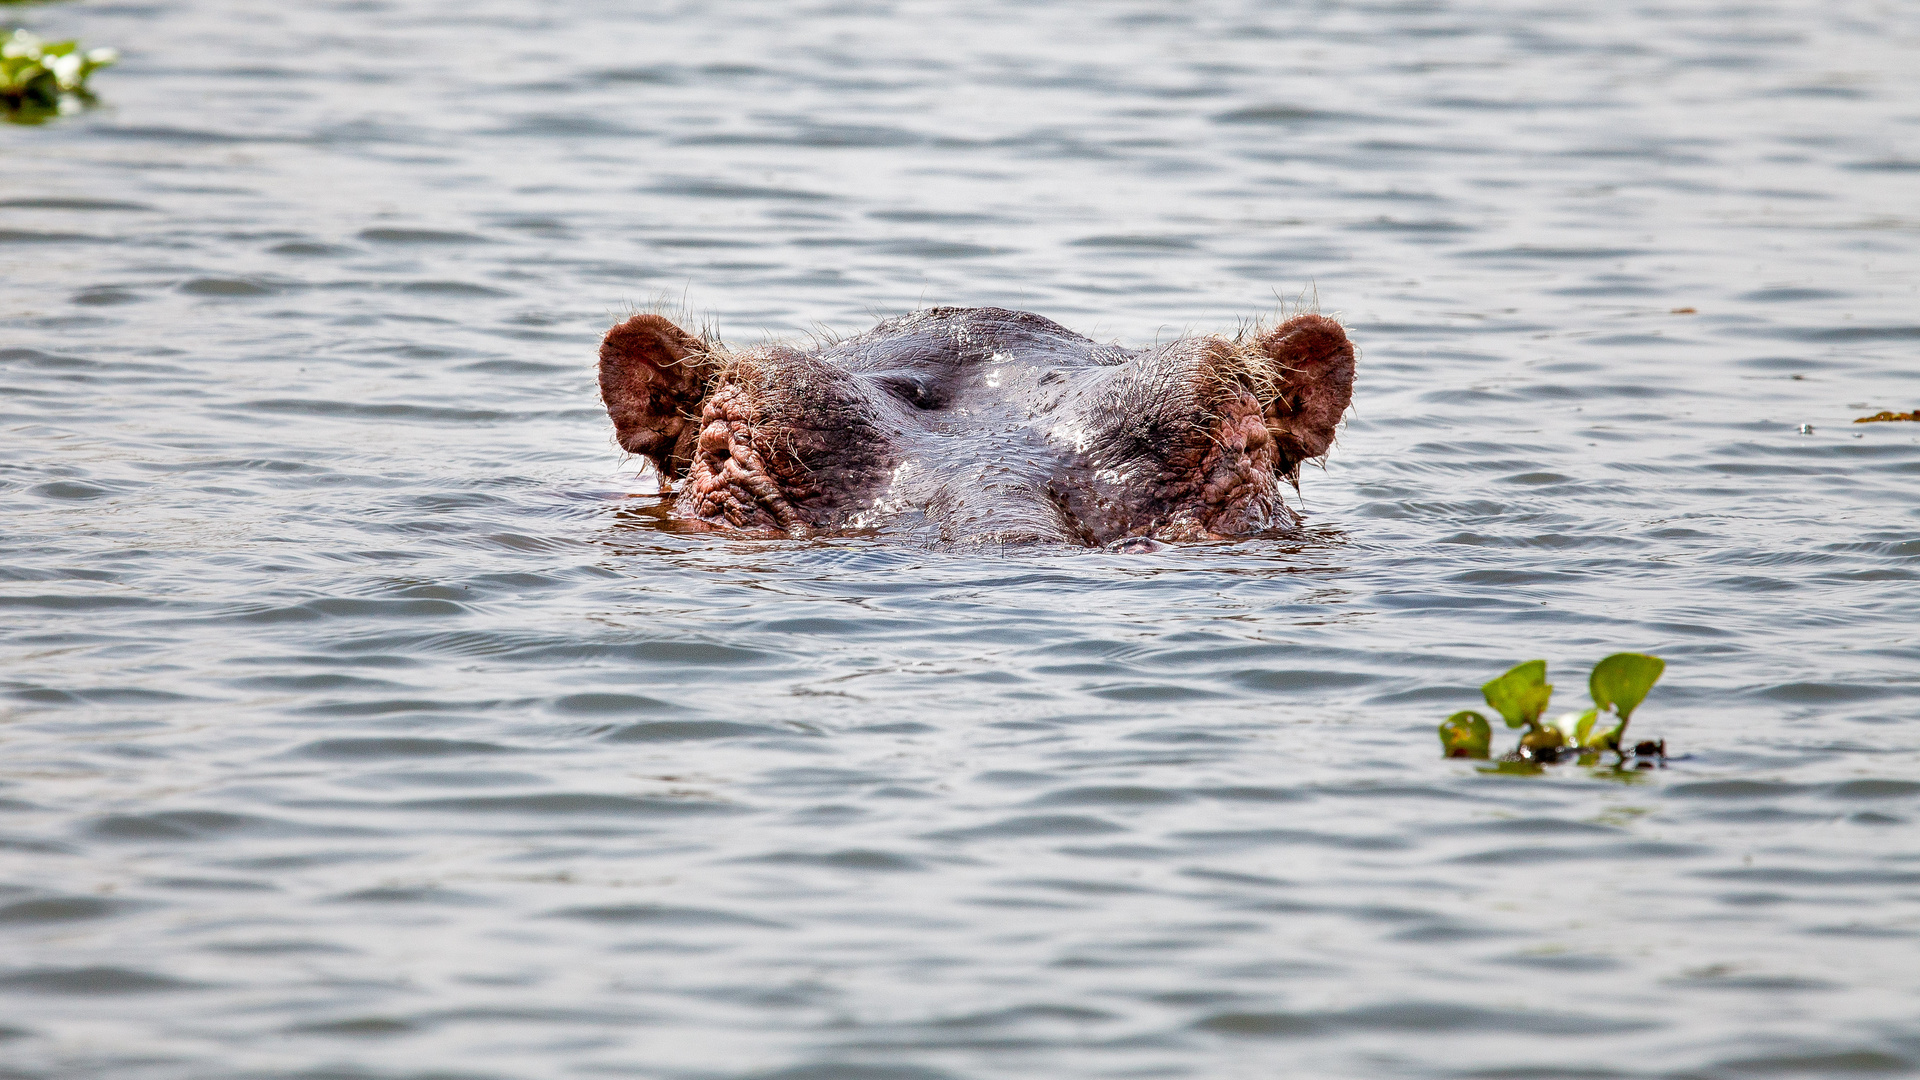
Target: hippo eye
{"x": 916, "y": 392}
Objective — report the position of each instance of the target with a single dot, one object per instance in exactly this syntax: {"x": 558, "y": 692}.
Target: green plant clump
{"x": 1618, "y": 685}
{"x": 43, "y": 79}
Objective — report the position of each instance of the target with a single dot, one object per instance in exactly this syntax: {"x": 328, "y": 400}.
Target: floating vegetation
{"x": 1618, "y": 685}
{"x": 40, "y": 80}
{"x": 1883, "y": 416}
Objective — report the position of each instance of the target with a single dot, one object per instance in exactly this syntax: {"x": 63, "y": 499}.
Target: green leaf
{"x": 1574, "y": 726}
{"x": 40, "y": 79}
{"x": 1521, "y": 694}
{"x": 1608, "y": 739}
{"x": 1543, "y": 739}
{"x": 1621, "y": 681}
{"x": 1466, "y": 734}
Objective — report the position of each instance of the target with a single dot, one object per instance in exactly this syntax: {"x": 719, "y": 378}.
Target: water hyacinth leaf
{"x": 39, "y": 79}
{"x": 1583, "y": 732}
{"x": 1621, "y": 681}
{"x": 1521, "y": 694}
{"x": 1574, "y": 727}
{"x": 1605, "y": 739}
{"x": 1543, "y": 739}
{"x": 1466, "y": 734}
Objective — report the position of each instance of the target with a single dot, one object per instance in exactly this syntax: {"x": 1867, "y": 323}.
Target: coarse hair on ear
{"x": 1312, "y": 386}
{"x": 653, "y": 376}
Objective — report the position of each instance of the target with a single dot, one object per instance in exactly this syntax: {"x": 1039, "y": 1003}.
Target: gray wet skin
{"x": 982, "y": 426}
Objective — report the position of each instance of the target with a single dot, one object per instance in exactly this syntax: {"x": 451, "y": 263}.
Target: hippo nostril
{"x": 915, "y": 392}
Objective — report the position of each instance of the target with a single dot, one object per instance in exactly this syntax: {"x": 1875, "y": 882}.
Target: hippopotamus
{"x": 975, "y": 426}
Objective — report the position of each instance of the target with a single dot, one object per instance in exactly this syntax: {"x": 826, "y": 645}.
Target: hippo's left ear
{"x": 653, "y": 376}
{"x": 1313, "y": 366}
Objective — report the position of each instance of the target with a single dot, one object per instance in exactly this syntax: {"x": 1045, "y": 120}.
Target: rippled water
{"x": 364, "y": 717}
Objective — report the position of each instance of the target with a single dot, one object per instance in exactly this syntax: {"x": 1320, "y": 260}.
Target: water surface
{"x": 361, "y": 715}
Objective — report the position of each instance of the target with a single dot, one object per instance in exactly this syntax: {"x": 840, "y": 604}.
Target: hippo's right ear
{"x": 1313, "y": 363}
{"x": 653, "y": 376}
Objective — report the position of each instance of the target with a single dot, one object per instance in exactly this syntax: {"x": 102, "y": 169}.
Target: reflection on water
{"x": 364, "y": 716}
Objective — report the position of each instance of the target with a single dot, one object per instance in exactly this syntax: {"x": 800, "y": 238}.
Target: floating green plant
{"x": 1618, "y": 685}
{"x": 1466, "y": 734}
{"x": 43, "y": 79}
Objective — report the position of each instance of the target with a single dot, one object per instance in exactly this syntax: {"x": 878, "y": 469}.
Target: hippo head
{"x": 981, "y": 425}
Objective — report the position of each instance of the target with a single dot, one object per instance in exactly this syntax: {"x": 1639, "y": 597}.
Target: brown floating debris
{"x": 1685, "y": 311}
{"x": 1879, "y": 416}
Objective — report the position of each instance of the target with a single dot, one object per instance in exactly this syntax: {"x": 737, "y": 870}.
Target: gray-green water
{"x": 362, "y": 718}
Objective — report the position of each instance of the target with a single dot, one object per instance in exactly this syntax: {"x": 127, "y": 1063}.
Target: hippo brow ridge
{"x": 968, "y": 426}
